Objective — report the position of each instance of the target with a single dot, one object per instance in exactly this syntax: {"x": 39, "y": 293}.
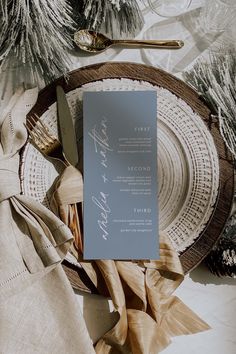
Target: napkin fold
{"x": 142, "y": 292}
{"x": 37, "y": 238}
{"x": 39, "y": 312}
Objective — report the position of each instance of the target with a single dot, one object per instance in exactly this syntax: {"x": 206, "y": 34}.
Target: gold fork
{"x": 48, "y": 144}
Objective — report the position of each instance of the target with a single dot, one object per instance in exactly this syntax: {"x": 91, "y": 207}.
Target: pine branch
{"x": 114, "y": 17}
{"x": 34, "y": 36}
{"x": 222, "y": 259}
{"x": 216, "y": 83}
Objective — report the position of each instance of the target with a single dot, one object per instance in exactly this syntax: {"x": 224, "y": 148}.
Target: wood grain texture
{"x": 192, "y": 256}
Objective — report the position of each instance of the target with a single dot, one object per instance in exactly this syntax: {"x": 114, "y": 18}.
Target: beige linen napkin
{"x": 38, "y": 309}
{"x": 142, "y": 292}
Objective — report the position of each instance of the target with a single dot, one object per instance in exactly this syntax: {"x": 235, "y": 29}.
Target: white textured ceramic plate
{"x": 188, "y": 166}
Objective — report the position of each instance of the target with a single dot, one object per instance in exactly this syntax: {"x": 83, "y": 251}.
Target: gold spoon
{"x": 94, "y": 42}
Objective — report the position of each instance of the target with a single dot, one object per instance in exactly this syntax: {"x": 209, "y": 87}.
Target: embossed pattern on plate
{"x": 188, "y": 166}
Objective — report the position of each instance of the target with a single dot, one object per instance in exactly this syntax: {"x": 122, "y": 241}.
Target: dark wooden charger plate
{"x": 193, "y": 255}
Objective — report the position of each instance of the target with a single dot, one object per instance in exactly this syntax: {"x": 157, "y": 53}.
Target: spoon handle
{"x": 167, "y": 44}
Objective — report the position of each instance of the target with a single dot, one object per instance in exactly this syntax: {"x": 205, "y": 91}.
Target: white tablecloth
{"x": 213, "y": 298}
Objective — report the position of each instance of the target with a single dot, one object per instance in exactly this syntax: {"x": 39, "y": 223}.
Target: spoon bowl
{"x": 91, "y": 41}
{"x": 94, "y": 42}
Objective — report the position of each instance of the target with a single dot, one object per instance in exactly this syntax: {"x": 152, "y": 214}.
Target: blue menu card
{"x": 120, "y": 175}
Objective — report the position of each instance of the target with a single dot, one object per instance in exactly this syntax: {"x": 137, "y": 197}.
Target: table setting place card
{"x": 120, "y": 175}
